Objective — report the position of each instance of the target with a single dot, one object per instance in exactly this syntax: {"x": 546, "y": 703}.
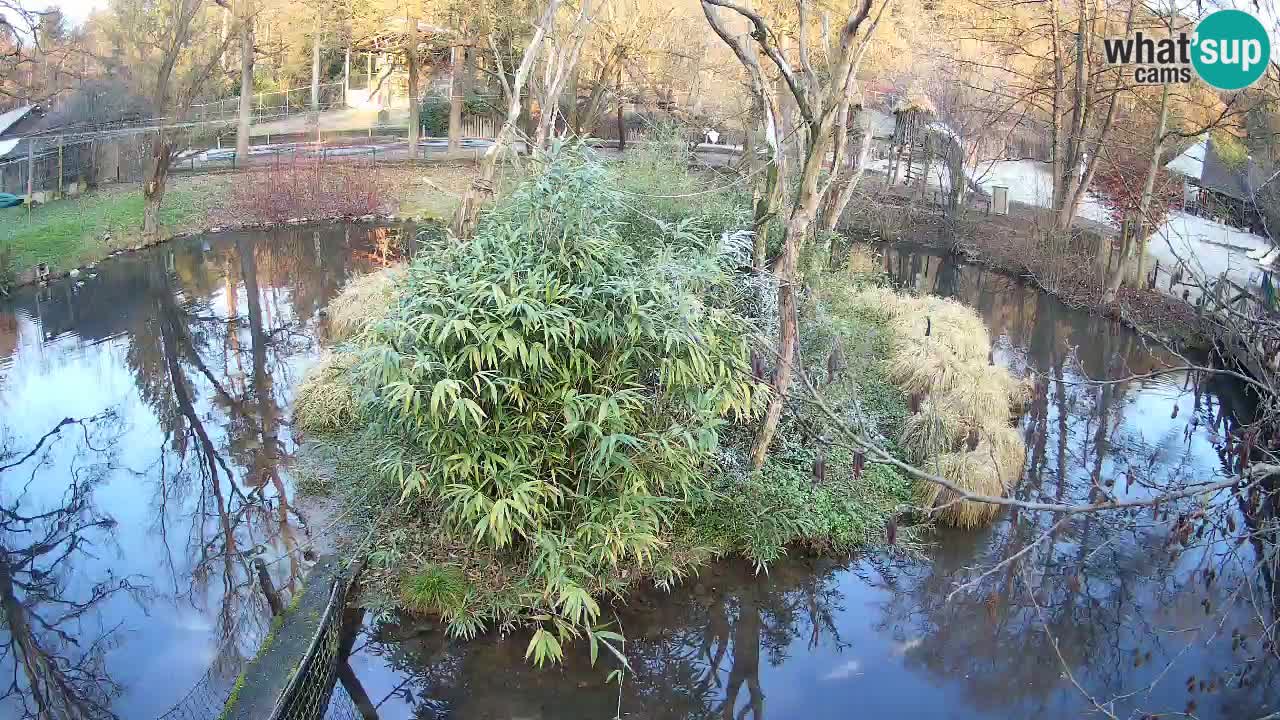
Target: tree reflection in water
{"x": 1146, "y": 622}
{"x": 52, "y": 647}
{"x": 201, "y": 342}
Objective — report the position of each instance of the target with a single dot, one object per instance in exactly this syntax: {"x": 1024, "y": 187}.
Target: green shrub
{"x": 659, "y": 190}
{"x": 434, "y": 112}
{"x": 556, "y": 391}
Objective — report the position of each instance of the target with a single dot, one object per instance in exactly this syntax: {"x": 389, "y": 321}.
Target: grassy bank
{"x": 73, "y": 232}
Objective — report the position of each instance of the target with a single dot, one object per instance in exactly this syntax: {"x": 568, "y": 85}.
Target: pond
{"x": 144, "y": 460}
{"x": 145, "y": 455}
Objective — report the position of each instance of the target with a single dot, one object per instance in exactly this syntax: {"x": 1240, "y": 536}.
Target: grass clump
{"x": 367, "y": 296}
{"x": 325, "y": 400}
{"x": 961, "y": 429}
{"x": 439, "y": 589}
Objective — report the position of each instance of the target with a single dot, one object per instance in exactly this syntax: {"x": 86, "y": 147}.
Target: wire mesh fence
{"x": 306, "y": 697}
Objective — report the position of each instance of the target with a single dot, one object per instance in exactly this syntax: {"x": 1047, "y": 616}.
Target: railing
{"x": 306, "y": 697}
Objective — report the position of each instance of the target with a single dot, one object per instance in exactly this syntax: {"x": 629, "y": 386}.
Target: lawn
{"x": 68, "y": 233}
{"x": 73, "y": 232}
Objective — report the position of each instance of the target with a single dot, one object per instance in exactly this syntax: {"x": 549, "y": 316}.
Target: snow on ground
{"x": 1208, "y": 248}
{"x": 1031, "y": 183}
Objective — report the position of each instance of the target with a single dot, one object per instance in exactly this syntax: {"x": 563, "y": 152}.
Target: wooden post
{"x": 31, "y": 171}
{"x": 346, "y": 75}
{"x": 61, "y": 185}
{"x": 264, "y": 580}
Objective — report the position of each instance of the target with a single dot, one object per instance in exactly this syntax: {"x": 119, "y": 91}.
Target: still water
{"x": 144, "y": 460}
{"x": 145, "y": 453}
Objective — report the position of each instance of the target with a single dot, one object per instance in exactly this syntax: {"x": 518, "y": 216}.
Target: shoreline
{"x": 30, "y": 277}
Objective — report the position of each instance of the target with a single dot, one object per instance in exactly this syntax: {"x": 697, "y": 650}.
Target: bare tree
{"x": 173, "y": 51}
{"x": 560, "y": 61}
{"x": 246, "y": 79}
{"x": 481, "y": 190}
{"x": 822, "y": 102}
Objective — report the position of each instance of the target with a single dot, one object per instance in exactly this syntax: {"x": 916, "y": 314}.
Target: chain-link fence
{"x": 306, "y": 697}
{"x": 272, "y": 105}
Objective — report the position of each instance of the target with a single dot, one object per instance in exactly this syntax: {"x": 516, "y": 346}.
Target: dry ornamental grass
{"x": 961, "y": 423}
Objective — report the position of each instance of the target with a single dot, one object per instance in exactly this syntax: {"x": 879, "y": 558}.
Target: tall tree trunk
{"x": 481, "y": 190}
{"x": 797, "y": 230}
{"x": 315, "y": 64}
{"x": 622, "y": 124}
{"x": 154, "y": 186}
{"x": 456, "y": 96}
{"x": 246, "y": 83}
{"x": 1057, "y": 112}
{"x": 346, "y": 75}
{"x": 411, "y": 57}
{"x": 833, "y": 210}
{"x": 1135, "y": 240}
{"x": 572, "y": 92}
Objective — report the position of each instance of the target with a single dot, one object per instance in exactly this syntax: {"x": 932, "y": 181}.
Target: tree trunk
{"x": 346, "y": 75}
{"x": 622, "y": 125}
{"x": 572, "y": 92}
{"x": 955, "y": 172}
{"x": 1136, "y": 241}
{"x": 796, "y": 231}
{"x": 315, "y": 67}
{"x": 1057, "y": 113}
{"x": 456, "y": 96}
{"x": 833, "y": 210}
{"x": 411, "y": 57}
{"x": 1145, "y": 228}
{"x": 154, "y": 186}
{"x": 315, "y": 75}
{"x": 246, "y": 85}
{"x": 797, "y": 228}
{"x": 765, "y": 210}
{"x": 481, "y": 190}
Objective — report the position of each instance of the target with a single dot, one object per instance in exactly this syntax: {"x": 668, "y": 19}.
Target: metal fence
{"x": 272, "y": 105}
{"x": 306, "y": 697}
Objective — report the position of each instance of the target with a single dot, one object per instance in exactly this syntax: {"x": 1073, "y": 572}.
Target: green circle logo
{"x": 1231, "y": 49}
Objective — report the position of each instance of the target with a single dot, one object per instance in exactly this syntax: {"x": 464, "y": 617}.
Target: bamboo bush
{"x": 556, "y": 392}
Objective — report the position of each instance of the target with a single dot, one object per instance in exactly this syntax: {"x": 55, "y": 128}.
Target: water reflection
{"x": 124, "y": 536}
{"x": 1144, "y": 622}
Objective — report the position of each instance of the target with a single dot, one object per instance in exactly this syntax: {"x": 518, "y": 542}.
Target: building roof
{"x": 8, "y": 119}
{"x": 1191, "y": 162}
{"x": 1203, "y": 164}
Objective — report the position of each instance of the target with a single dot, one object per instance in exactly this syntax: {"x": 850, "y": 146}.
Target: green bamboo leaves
{"x": 557, "y": 389}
